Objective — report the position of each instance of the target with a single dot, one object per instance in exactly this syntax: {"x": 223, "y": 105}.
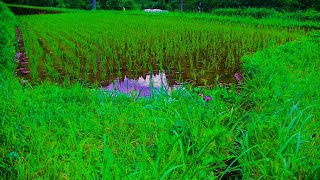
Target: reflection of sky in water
{"x": 142, "y": 86}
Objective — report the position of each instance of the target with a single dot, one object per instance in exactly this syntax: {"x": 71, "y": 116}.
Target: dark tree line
{"x": 188, "y": 5}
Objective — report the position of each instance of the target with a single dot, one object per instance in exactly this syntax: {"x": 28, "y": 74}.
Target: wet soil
{"x": 21, "y": 58}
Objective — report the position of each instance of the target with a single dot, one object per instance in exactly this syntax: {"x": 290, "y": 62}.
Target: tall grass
{"x": 91, "y": 134}
{"x": 282, "y": 121}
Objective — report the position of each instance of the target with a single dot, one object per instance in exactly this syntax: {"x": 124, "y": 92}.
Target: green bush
{"x": 114, "y": 5}
{"x": 7, "y": 36}
{"x": 309, "y": 15}
{"x": 128, "y": 4}
{"x": 258, "y": 13}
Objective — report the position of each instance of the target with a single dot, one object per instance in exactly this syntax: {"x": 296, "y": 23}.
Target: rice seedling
{"x": 99, "y": 46}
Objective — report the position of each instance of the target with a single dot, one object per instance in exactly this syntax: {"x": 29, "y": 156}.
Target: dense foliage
{"x": 258, "y": 13}
{"x": 188, "y": 5}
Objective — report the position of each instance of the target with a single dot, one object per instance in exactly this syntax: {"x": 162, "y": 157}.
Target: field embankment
{"x": 282, "y": 116}
{"x": 19, "y": 10}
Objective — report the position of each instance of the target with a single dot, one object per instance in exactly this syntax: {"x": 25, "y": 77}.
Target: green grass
{"x": 269, "y": 128}
{"x": 7, "y": 36}
{"x": 282, "y": 120}
{"x": 89, "y": 134}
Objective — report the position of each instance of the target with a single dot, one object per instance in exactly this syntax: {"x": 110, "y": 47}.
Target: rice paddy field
{"x": 100, "y": 47}
{"x": 131, "y": 95}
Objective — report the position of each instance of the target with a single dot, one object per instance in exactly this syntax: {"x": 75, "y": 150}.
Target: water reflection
{"x": 141, "y": 86}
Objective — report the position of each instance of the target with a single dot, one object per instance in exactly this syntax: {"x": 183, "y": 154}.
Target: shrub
{"x": 129, "y": 4}
{"x": 247, "y": 12}
{"x": 114, "y": 5}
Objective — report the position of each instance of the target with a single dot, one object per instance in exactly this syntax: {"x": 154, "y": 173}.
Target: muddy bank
{"x": 21, "y": 58}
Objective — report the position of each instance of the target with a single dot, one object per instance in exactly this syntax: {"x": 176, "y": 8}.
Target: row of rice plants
{"x": 98, "y": 47}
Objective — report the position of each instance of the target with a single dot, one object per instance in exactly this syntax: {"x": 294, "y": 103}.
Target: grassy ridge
{"x": 35, "y": 9}
{"x": 282, "y": 120}
{"x": 269, "y": 130}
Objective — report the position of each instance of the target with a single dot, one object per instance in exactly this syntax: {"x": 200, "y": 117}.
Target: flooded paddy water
{"x": 127, "y": 53}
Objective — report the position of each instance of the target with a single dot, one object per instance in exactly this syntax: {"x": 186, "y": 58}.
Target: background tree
{"x": 113, "y": 5}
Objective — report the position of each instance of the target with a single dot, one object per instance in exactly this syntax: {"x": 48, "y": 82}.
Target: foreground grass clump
{"x": 91, "y": 134}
